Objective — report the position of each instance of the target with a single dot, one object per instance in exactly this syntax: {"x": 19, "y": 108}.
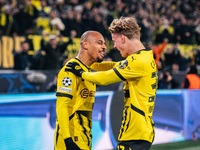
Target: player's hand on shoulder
{"x": 70, "y": 145}
{"x": 75, "y": 68}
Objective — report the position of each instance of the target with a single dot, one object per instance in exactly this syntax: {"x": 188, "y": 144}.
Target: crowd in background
{"x": 162, "y": 22}
{"x": 177, "y": 20}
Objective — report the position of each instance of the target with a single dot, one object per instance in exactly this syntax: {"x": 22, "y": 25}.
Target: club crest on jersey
{"x": 124, "y": 65}
{"x": 67, "y": 81}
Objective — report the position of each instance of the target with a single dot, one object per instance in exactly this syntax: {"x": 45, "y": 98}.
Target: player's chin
{"x": 99, "y": 59}
{"x": 123, "y": 55}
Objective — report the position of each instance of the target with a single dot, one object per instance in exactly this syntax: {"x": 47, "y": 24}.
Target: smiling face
{"x": 118, "y": 43}
{"x": 95, "y": 46}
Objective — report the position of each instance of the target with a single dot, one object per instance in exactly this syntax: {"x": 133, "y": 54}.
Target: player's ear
{"x": 122, "y": 38}
{"x": 85, "y": 45}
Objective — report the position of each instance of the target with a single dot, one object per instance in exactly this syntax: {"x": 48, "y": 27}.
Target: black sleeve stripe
{"x": 137, "y": 110}
{"x": 153, "y": 75}
{"x": 64, "y": 95}
{"x": 71, "y": 116}
{"x": 84, "y": 129}
{"x": 57, "y": 134}
{"x": 119, "y": 75}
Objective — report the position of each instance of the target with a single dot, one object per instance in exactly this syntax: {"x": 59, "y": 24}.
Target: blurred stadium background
{"x": 171, "y": 28}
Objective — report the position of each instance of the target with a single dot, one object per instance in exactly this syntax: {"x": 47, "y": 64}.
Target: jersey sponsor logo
{"x": 124, "y": 65}
{"x": 85, "y": 93}
{"x": 64, "y": 89}
{"x": 67, "y": 81}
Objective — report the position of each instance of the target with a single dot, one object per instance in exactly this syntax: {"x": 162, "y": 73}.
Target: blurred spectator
{"x": 115, "y": 55}
{"x": 165, "y": 30}
{"x": 86, "y": 18}
{"x": 185, "y": 32}
{"x": 197, "y": 34}
{"x": 2, "y": 3}
{"x": 175, "y": 56}
{"x": 196, "y": 55}
{"x": 157, "y": 50}
{"x": 52, "y": 86}
{"x": 166, "y": 81}
{"x": 68, "y": 20}
{"x": 191, "y": 81}
{"x": 184, "y": 61}
{"x": 146, "y": 31}
{"x": 52, "y": 51}
{"x": 71, "y": 50}
{"x": 60, "y": 5}
{"x": 169, "y": 56}
{"x": 56, "y": 23}
{"x": 98, "y": 24}
{"x": 22, "y": 59}
{"x": 44, "y": 8}
{"x": 30, "y": 13}
{"x": 7, "y": 23}
{"x": 175, "y": 68}
{"x": 77, "y": 25}
{"x": 42, "y": 23}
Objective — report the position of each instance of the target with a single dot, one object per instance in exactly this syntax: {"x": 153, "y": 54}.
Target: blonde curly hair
{"x": 126, "y": 26}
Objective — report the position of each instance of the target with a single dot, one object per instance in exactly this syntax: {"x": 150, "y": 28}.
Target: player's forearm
{"x": 102, "y": 77}
{"x": 63, "y": 116}
{"x": 103, "y": 66}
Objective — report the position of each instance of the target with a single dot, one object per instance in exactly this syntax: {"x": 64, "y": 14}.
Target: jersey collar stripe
{"x": 118, "y": 74}
{"x": 82, "y": 63}
{"x": 64, "y": 95}
{"x": 146, "y": 49}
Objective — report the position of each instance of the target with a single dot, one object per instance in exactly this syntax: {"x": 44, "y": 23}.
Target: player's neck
{"x": 84, "y": 59}
{"x": 133, "y": 46}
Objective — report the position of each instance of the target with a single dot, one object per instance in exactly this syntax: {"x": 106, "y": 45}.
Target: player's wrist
{"x": 81, "y": 73}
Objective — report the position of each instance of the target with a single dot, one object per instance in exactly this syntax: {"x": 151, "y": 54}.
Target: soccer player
{"x": 139, "y": 73}
{"x": 75, "y": 97}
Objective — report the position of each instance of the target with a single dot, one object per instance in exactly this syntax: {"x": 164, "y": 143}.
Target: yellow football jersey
{"x": 75, "y": 99}
{"x": 139, "y": 73}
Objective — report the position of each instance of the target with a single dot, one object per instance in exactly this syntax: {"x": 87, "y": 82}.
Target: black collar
{"x": 146, "y": 49}
{"x": 82, "y": 63}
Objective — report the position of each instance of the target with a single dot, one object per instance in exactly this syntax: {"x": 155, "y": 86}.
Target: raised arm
{"x": 103, "y": 66}
{"x": 121, "y": 73}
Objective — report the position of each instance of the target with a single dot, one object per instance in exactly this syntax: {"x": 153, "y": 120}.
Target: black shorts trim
{"x": 118, "y": 74}
{"x": 64, "y": 95}
{"x": 134, "y": 145}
